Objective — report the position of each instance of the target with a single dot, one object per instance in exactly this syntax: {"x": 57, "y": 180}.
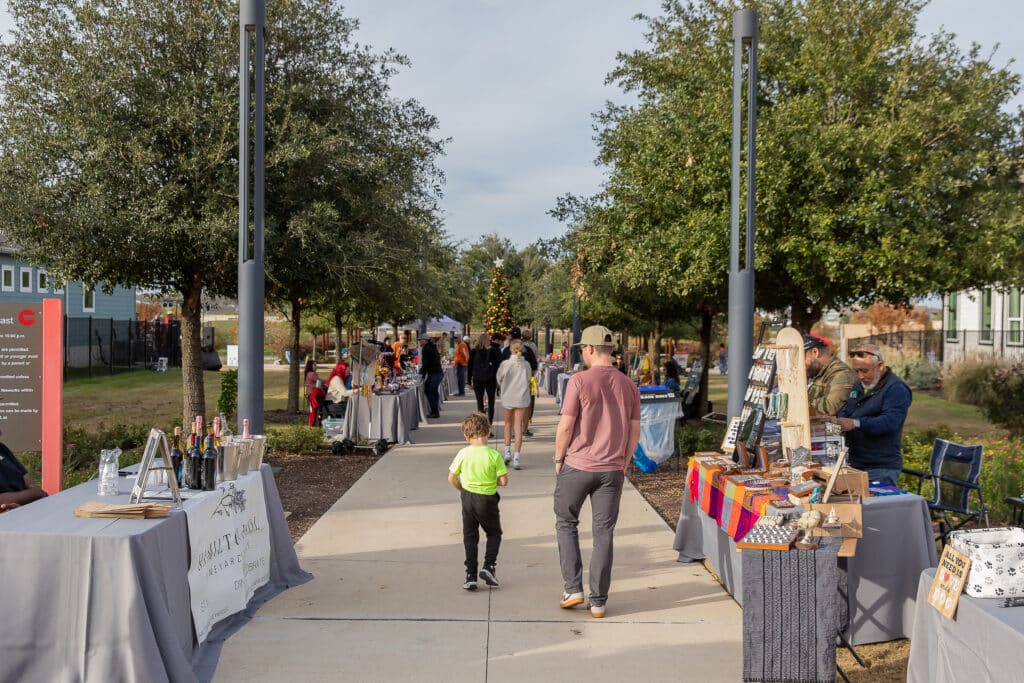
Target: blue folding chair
{"x": 954, "y": 471}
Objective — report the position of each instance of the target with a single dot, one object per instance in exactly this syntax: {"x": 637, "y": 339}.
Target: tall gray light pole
{"x": 252, "y": 16}
{"x": 741, "y": 244}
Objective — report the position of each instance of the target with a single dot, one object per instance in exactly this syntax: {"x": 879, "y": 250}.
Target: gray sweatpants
{"x": 572, "y": 487}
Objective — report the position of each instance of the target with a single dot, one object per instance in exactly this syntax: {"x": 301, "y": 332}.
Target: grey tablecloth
{"x": 984, "y": 643}
{"x": 563, "y": 378}
{"x": 791, "y": 614}
{"x": 882, "y": 577}
{"x": 108, "y": 599}
{"x": 383, "y": 416}
{"x": 549, "y": 378}
{"x": 450, "y": 383}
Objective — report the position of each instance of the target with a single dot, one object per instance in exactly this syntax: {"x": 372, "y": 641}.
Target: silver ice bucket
{"x": 230, "y": 461}
{"x": 258, "y": 450}
{"x": 244, "y": 453}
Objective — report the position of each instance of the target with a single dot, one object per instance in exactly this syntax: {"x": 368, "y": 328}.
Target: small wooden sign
{"x": 950, "y": 577}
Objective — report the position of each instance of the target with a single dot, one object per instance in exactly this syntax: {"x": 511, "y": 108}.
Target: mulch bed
{"x": 310, "y": 483}
{"x": 663, "y": 489}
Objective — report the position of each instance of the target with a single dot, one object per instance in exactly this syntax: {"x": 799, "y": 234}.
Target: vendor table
{"x": 384, "y": 416}
{"x": 450, "y": 383}
{"x": 881, "y": 578}
{"x": 984, "y": 643}
{"x": 549, "y": 378}
{"x": 563, "y": 378}
{"x": 108, "y": 599}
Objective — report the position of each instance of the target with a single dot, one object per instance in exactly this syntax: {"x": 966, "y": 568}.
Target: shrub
{"x": 969, "y": 381}
{"x": 228, "y": 401}
{"x": 1003, "y": 403}
{"x": 917, "y": 372}
{"x": 703, "y": 437}
{"x": 295, "y": 438}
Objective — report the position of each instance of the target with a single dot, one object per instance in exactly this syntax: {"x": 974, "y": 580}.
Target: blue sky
{"x": 514, "y": 85}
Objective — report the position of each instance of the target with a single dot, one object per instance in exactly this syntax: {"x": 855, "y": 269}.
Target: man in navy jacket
{"x": 872, "y": 419}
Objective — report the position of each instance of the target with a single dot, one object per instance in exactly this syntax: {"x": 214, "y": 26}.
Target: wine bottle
{"x": 216, "y": 430}
{"x": 195, "y": 461}
{"x": 209, "y": 466}
{"x": 245, "y": 429}
{"x": 176, "y": 455}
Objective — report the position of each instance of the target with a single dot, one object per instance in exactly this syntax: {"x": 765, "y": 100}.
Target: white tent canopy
{"x": 434, "y": 326}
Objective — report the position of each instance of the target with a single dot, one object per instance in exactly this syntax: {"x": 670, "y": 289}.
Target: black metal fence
{"x": 961, "y": 344}
{"x": 939, "y": 346}
{"x": 104, "y": 346}
{"x": 925, "y": 344}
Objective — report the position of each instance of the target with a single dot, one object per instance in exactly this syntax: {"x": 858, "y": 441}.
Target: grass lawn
{"x": 926, "y": 412}
{"x": 150, "y": 398}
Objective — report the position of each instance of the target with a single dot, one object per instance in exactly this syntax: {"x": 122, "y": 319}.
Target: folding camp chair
{"x": 954, "y": 472}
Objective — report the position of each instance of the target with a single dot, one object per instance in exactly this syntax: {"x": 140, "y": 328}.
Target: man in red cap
{"x": 830, "y": 379}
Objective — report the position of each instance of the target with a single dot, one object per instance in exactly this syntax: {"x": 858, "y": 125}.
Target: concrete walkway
{"x": 387, "y": 602}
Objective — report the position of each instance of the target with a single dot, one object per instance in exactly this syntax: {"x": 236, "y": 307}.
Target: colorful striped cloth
{"x": 733, "y": 506}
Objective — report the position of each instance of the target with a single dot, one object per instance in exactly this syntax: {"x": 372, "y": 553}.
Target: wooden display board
{"x": 791, "y": 375}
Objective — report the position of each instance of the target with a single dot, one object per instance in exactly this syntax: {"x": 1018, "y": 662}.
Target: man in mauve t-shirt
{"x": 597, "y": 435}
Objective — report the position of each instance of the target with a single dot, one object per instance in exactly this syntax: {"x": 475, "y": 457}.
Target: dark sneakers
{"x": 489, "y": 575}
{"x": 470, "y": 584}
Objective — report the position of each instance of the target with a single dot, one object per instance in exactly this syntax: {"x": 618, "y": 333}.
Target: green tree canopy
{"x": 888, "y": 164}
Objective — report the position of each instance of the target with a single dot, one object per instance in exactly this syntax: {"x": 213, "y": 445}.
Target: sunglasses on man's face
{"x": 864, "y": 354}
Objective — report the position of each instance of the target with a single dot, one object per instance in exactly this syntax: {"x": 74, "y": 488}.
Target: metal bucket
{"x": 230, "y": 460}
{"x": 244, "y": 454}
{"x": 259, "y": 449}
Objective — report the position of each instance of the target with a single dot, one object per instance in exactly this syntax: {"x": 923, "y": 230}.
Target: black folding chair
{"x": 1016, "y": 509}
{"x": 954, "y": 472}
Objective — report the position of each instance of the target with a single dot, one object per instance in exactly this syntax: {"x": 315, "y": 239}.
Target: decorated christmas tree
{"x": 498, "y": 317}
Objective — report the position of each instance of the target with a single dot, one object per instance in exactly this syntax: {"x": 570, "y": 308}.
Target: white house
{"x": 983, "y": 321}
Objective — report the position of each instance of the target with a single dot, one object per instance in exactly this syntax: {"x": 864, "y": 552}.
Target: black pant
{"x": 490, "y": 386}
{"x": 432, "y": 386}
{"x": 478, "y": 511}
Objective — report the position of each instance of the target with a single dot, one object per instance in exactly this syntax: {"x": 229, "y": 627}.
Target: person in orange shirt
{"x": 461, "y": 363}
{"x": 400, "y": 348}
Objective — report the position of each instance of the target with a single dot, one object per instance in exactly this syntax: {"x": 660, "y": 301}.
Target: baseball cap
{"x": 596, "y": 335}
{"x": 465, "y": 338}
{"x": 813, "y": 341}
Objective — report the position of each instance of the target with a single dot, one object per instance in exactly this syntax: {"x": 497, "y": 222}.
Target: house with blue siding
{"x": 21, "y": 281}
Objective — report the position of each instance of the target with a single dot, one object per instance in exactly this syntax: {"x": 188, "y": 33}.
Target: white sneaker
{"x": 508, "y": 454}
{"x": 515, "y": 462}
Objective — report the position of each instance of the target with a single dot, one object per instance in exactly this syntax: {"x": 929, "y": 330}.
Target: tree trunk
{"x": 294, "y": 374}
{"x": 337, "y": 335}
{"x": 655, "y": 352}
{"x": 192, "y": 389}
{"x": 805, "y": 315}
{"x": 706, "y": 318}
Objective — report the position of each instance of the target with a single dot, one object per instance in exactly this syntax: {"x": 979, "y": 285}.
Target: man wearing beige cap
{"x": 597, "y": 434}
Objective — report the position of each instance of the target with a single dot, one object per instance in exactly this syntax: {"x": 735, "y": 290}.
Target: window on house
{"x": 88, "y": 299}
{"x": 986, "y": 316}
{"x": 26, "y": 280}
{"x": 1013, "y": 317}
{"x": 42, "y": 282}
{"x": 951, "y": 322}
{"x": 8, "y": 279}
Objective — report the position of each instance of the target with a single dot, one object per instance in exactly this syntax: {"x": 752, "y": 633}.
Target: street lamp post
{"x": 252, "y": 15}
{"x": 741, "y": 246}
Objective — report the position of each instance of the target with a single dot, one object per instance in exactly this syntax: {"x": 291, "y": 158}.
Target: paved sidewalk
{"x": 387, "y": 603}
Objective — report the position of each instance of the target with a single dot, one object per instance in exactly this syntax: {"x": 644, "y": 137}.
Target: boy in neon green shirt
{"x": 477, "y": 471}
